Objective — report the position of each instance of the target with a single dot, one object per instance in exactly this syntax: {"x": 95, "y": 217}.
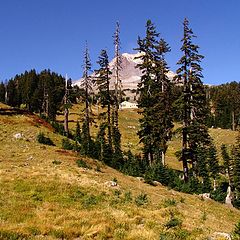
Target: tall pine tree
{"x": 154, "y": 100}
{"x": 195, "y": 133}
{"x": 87, "y": 85}
{"x": 116, "y": 135}
{"x": 103, "y": 82}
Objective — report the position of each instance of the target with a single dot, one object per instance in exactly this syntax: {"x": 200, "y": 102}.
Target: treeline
{"x": 27, "y": 91}
{"x": 37, "y": 92}
{"x": 224, "y": 102}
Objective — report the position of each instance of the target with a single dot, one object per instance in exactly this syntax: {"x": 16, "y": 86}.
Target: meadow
{"x": 46, "y": 194}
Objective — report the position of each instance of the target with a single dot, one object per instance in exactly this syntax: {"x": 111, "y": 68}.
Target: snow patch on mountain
{"x": 129, "y": 74}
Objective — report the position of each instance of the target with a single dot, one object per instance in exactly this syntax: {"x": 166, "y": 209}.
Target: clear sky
{"x": 52, "y": 33}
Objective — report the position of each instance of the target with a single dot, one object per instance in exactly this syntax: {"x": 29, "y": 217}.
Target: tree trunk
{"x": 228, "y": 199}
{"x": 194, "y": 167}
{"x": 87, "y": 120}
{"x": 66, "y": 130}
{"x": 214, "y": 185}
{"x": 184, "y": 158}
{"x": 163, "y": 158}
{"x": 233, "y": 121}
{"x": 109, "y": 126}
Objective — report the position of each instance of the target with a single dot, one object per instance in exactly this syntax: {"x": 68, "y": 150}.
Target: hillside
{"x": 45, "y": 195}
{"x": 129, "y": 126}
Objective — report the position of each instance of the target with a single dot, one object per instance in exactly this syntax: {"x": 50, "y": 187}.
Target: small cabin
{"x": 127, "y": 104}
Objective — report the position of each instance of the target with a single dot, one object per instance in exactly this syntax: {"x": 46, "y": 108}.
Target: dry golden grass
{"x": 45, "y": 195}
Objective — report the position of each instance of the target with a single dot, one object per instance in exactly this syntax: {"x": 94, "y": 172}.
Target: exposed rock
{"x": 18, "y": 136}
{"x": 221, "y": 235}
{"x": 204, "y": 195}
{"x": 141, "y": 179}
{"x": 111, "y": 184}
{"x": 228, "y": 199}
{"x": 156, "y": 183}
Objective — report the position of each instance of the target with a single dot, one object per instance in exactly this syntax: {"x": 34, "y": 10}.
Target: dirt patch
{"x": 36, "y": 120}
{"x": 64, "y": 152}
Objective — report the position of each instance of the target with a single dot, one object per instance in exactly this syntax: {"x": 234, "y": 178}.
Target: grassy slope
{"x": 44, "y": 200}
{"x": 129, "y": 126}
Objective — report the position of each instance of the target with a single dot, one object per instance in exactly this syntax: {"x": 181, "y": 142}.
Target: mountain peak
{"x": 129, "y": 74}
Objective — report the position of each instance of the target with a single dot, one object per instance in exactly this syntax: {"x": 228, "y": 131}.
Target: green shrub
{"x": 236, "y": 203}
{"x": 236, "y": 231}
{"x": 221, "y": 192}
{"x": 179, "y": 234}
{"x": 160, "y": 173}
{"x": 56, "y": 162}
{"x": 98, "y": 168}
{"x": 59, "y": 128}
{"x": 76, "y": 195}
{"x": 34, "y": 231}
{"x": 133, "y": 165}
{"x": 91, "y": 200}
{"x": 141, "y": 199}
{"x": 182, "y": 200}
{"x": 117, "y": 193}
{"x": 115, "y": 180}
{"x": 67, "y": 145}
{"x": 127, "y": 197}
{"x": 8, "y": 235}
{"x": 83, "y": 164}
{"x": 173, "y": 222}
{"x": 169, "y": 202}
{"x": 192, "y": 186}
{"x": 41, "y": 138}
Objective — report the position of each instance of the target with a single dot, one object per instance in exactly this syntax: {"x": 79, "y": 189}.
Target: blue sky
{"x": 52, "y": 33}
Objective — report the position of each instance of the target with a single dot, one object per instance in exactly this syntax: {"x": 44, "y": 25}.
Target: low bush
{"x": 127, "y": 197}
{"x": 83, "y": 164}
{"x": 9, "y": 235}
{"x": 169, "y": 202}
{"x": 141, "y": 199}
{"x": 173, "y": 222}
{"x": 236, "y": 232}
{"x": 56, "y": 162}
{"x": 41, "y": 138}
{"x": 67, "y": 145}
{"x": 220, "y": 193}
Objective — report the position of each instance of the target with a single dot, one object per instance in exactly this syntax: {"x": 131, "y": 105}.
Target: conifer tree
{"x": 66, "y": 106}
{"x": 154, "y": 88}
{"x": 226, "y": 158}
{"x": 87, "y": 86}
{"x": 116, "y": 135}
{"x": 194, "y": 133}
{"x": 103, "y": 83}
{"x": 78, "y": 133}
{"x": 163, "y": 95}
{"x": 116, "y": 72}
{"x": 101, "y": 141}
{"x": 234, "y": 172}
{"x": 213, "y": 165}
{"x": 12, "y": 93}
{"x": 2, "y": 92}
